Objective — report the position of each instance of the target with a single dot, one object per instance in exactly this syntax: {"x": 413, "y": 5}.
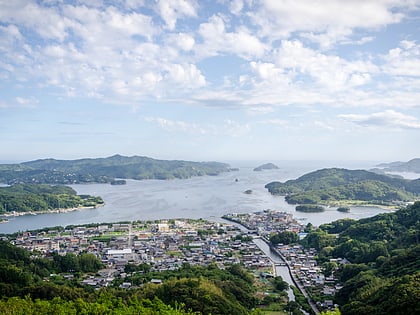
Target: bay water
{"x": 206, "y": 197}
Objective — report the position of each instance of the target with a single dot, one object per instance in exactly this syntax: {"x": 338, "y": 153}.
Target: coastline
{"x": 64, "y": 210}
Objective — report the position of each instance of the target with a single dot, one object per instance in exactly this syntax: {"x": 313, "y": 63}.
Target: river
{"x": 207, "y": 197}
{"x": 282, "y": 271}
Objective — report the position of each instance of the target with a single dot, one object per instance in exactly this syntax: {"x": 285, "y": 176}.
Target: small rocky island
{"x": 118, "y": 182}
{"x": 310, "y": 208}
{"x": 343, "y": 209}
{"x": 267, "y": 166}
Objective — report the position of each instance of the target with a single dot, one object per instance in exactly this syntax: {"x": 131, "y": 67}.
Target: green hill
{"x": 332, "y": 185}
{"x": 382, "y": 272}
{"x": 32, "y": 284}
{"x": 409, "y": 166}
{"x": 103, "y": 170}
{"x": 42, "y": 197}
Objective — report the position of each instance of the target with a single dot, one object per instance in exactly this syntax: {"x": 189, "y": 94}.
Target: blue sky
{"x": 210, "y": 80}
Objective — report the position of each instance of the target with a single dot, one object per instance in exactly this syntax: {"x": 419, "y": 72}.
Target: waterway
{"x": 282, "y": 271}
{"x": 207, "y": 197}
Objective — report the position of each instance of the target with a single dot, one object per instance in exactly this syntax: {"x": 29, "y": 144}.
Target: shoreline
{"x": 14, "y": 214}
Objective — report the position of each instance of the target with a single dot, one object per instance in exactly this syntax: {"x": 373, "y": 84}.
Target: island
{"x": 309, "y": 208}
{"x": 267, "y": 166}
{"x": 343, "y": 187}
{"x": 412, "y": 166}
{"x": 248, "y": 191}
{"x": 118, "y": 182}
{"x": 343, "y": 209}
{"x": 105, "y": 170}
{"x": 21, "y": 199}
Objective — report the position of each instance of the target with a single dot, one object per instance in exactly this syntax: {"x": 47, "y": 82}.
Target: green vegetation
{"x": 384, "y": 253}
{"x": 337, "y": 186}
{"x": 284, "y": 237}
{"x": 105, "y": 304}
{"x": 309, "y": 208}
{"x": 104, "y": 170}
{"x": 410, "y": 166}
{"x": 198, "y": 289}
{"x": 40, "y": 197}
{"x": 268, "y": 166}
{"x": 343, "y": 209}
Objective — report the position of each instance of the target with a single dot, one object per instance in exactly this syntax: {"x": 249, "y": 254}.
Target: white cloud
{"x": 329, "y": 71}
{"x": 325, "y": 21}
{"x": 120, "y": 55}
{"x": 403, "y": 60}
{"x": 217, "y": 40}
{"x": 236, "y": 6}
{"x": 186, "y": 75}
{"x": 228, "y": 127}
{"x": 44, "y": 20}
{"x": 26, "y": 102}
{"x": 172, "y": 10}
{"x": 387, "y": 118}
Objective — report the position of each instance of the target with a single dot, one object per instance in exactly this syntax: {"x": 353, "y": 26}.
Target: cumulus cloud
{"x": 135, "y": 50}
{"x": 325, "y": 21}
{"x": 171, "y": 10}
{"x": 387, "y": 118}
{"x": 403, "y": 60}
{"x": 218, "y": 40}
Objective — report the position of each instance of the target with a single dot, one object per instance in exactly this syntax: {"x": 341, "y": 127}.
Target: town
{"x": 169, "y": 244}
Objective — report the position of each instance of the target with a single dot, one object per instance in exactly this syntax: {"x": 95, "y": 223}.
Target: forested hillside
{"x": 409, "y": 166}
{"x": 189, "y": 290}
{"x": 332, "y": 185}
{"x": 41, "y": 197}
{"x": 383, "y": 276}
{"x": 103, "y": 170}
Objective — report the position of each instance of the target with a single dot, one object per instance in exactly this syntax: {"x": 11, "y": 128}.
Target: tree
{"x": 285, "y": 237}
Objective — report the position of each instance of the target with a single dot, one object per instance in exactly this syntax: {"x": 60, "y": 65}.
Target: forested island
{"x": 409, "y": 166}
{"x": 341, "y": 187}
{"x": 105, "y": 170}
{"x": 309, "y": 208}
{"x": 267, "y": 166}
{"x": 37, "y": 198}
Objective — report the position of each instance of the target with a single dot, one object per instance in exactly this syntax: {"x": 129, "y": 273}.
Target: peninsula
{"x": 105, "y": 170}
{"x": 21, "y": 199}
{"x": 343, "y": 187}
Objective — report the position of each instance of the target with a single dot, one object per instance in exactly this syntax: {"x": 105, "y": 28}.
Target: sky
{"x": 211, "y": 80}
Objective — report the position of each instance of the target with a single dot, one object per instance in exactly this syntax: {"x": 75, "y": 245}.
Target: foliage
{"x": 309, "y": 208}
{"x": 205, "y": 289}
{"x": 284, "y": 237}
{"x": 410, "y": 166}
{"x": 301, "y": 300}
{"x": 280, "y": 284}
{"x": 103, "y": 170}
{"x": 334, "y": 312}
{"x": 108, "y": 305}
{"x": 335, "y": 185}
{"x": 202, "y": 289}
{"x": 384, "y": 253}
{"x": 41, "y": 197}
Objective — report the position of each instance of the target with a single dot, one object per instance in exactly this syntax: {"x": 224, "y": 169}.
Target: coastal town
{"x": 169, "y": 244}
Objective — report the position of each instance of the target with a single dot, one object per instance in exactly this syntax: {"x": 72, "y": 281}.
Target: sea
{"x": 204, "y": 197}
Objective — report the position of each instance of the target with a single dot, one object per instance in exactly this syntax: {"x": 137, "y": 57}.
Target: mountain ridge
{"x": 104, "y": 170}
{"x": 329, "y": 185}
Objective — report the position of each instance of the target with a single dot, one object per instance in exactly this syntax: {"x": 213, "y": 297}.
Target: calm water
{"x": 207, "y": 197}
